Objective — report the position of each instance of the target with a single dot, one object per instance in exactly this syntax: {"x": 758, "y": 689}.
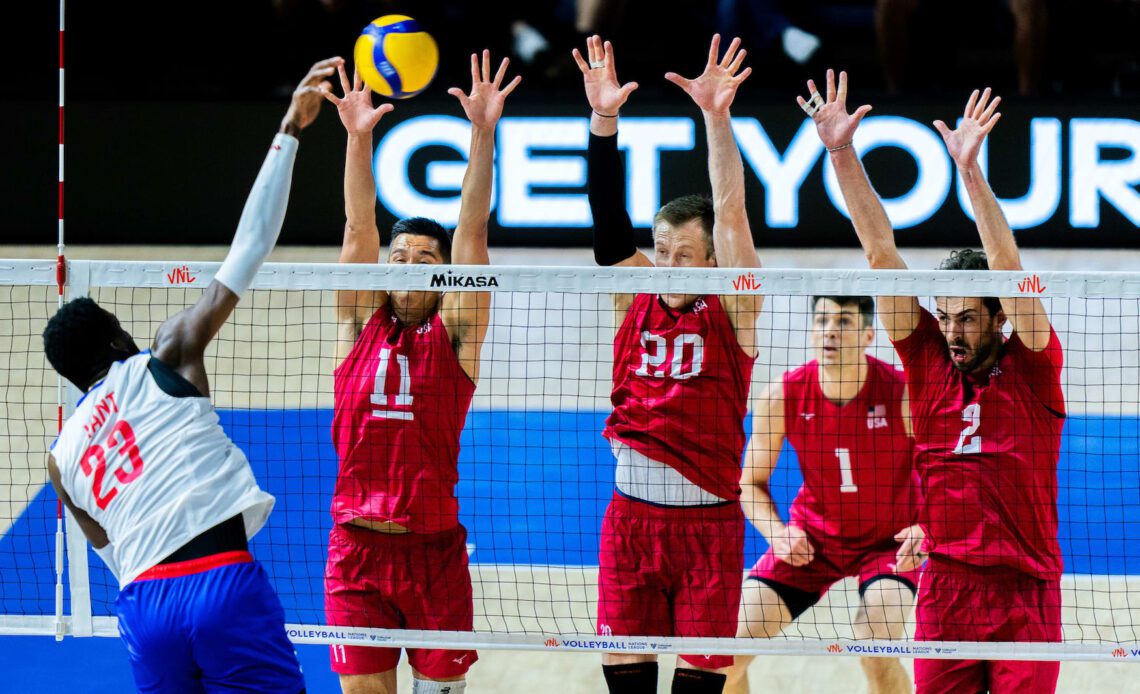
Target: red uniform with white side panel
{"x": 680, "y": 395}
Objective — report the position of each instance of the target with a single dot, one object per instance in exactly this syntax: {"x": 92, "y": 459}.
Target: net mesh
{"x": 535, "y": 475}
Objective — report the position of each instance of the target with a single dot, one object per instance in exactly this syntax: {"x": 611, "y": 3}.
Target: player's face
{"x": 971, "y": 333}
{"x": 684, "y": 245}
{"x": 838, "y": 334}
{"x": 407, "y": 249}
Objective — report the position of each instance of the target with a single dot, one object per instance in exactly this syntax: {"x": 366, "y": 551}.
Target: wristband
{"x": 840, "y": 147}
{"x": 602, "y": 115}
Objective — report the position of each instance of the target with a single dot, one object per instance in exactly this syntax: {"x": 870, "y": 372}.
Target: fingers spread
{"x": 474, "y": 70}
{"x": 714, "y": 50}
{"x": 357, "y": 80}
{"x": 830, "y": 85}
{"x": 511, "y": 87}
{"x": 970, "y": 104}
{"x": 582, "y": 64}
{"x": 502, "y": 72}
{"x": 678, "y": 80}
{"x": 486, "y": 65}
{"x": 841, "y": 95}
{"x": 729, "y": 55}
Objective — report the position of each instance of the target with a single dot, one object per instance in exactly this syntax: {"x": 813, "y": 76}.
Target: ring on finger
{"x": 812, "y": 106}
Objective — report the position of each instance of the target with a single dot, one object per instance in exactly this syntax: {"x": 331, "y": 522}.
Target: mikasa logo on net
{"x": 451, "y": 280}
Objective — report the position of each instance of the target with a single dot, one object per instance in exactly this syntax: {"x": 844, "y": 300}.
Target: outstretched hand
{"x": 835, "y": 126}
{"x": 978, "y": 120}
{"x": 484, "y": 105}
{"x": 306, "y": 103}
{"x": 715, "y": 88}
{"x": 355, "y": 107}
{"x": 605, "y": 94}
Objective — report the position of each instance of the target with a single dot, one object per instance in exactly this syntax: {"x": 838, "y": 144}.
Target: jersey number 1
{"x": 846, "y": 477}
{"x": 380, "y": 396}
{"x": 94, "y": 462}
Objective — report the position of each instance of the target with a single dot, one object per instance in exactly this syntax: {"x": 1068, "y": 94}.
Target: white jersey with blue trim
{"x": 152, "y": 469}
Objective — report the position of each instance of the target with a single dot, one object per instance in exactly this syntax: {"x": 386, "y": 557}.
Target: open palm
{"x": 484, "y": 105}
{"x": 978, "y": 120}
{"x": 834, "y": 125}
{"x": 605, "y": 94}
{"x": 715, "y": 88}
{"x": 355, "y": 107}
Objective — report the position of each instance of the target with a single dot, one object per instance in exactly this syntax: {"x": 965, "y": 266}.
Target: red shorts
{"x": 399, "y": 582}
{"x": 833, "y": 562}
{"x": 671, "y": 572}
{"x": 962, "y": 602}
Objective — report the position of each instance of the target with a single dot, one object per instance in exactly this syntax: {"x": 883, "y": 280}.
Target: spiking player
{"x": 987, "y": 414}
{"x": 672, "y": 548}
{"x": 164, "y": 496}
{"x": 407, "y": 367}
{"x": 845, "y": 415}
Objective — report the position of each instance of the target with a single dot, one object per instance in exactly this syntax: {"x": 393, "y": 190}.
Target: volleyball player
{"x": 845, "y": 415}
{"x": 672, "y": 539}
{"x": 407, "y": 367}
{"x": 987, "y": 417}
{"x": 164, "y": 496}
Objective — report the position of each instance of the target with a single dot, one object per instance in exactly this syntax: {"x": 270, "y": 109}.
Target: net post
{"x": 78, "y": 573}
{"x": 60, "y": 282}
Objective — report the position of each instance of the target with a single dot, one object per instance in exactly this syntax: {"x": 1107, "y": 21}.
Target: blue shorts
{"x": 219, "y": 630}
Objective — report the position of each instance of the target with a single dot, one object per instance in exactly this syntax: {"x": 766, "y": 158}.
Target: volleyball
{"x": 396, "y": 57}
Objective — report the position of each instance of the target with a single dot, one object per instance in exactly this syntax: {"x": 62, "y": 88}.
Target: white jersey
{"x": 154, "y": 470}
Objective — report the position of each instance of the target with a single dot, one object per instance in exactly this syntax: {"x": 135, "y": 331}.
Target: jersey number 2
{"x": 94, "y": 462}
{"x": 403, "y": 398}
{"x": 967, "y": 442}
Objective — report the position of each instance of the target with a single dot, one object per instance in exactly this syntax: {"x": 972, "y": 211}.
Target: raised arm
{"x": 1027, "y": 314}
{"x": 466, "y": 314}
{"x": 836, "y": 130}
{"x": 614, "y": 241}
{"x": 361, "y": 237}
{"x": 713, "y": 92}
{"x": 789, "y": 543}
{"x": 181, "y": 341}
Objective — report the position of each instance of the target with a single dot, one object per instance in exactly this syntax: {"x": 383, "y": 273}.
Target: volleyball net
{"x": 535, "y": 474}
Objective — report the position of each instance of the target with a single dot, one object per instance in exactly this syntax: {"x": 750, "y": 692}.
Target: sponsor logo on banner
{"x": 1119, "y": 653}
{"x": 870, "y": 650}
{"x": 835, "y": 648}
{"x": 551, "y": 643}
{"x": 1031, "y": 285}
{"x": 451, "y": 280}
{"x": 746, "y": 281}
{"x": 180, "y": 276}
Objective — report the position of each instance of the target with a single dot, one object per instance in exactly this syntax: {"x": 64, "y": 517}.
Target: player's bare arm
{"x": 466, "y": 314}
{"x": 92, "y": 530}
{"x": 361, "y": 236}
{"x": 963, "y": 143}
{"x": 181, "y": 341}
{"x": 836, "y": 128}
{"x": 613, "y": 231}
{"x": 713, "y": 92}
{"x": 789, "y": 543}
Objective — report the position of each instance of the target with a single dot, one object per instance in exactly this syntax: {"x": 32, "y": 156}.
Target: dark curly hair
{"x": 969, "y": 259}
{"x": 77, "y": 341}
{"x": 422, "y": 226}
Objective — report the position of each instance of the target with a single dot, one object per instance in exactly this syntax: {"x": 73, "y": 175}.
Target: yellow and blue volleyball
{"x": 396, "y": 57}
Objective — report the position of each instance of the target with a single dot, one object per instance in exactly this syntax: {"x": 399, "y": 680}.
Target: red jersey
{"x": 987, "y": 449}
{"x": 401, "y": 401}
{"x": 857, "y": 459}
{"x": 681, "y": 390}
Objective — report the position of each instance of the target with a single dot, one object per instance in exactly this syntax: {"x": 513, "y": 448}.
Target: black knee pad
{"x": 687, "y": 681}
{"x": 631, "y": 678}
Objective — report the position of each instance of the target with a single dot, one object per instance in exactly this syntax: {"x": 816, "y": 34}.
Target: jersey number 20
{"x": 655, "y": 352}
{"x": 94, "y": 462}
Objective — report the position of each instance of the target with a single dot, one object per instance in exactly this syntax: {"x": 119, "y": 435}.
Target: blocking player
{"x": 407, "y": 367}
{"x": 163, "y": 495}
{"x": 672, "y": 539}
{"x": 987, "y": 416}
{"x": 845, "y": 414}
